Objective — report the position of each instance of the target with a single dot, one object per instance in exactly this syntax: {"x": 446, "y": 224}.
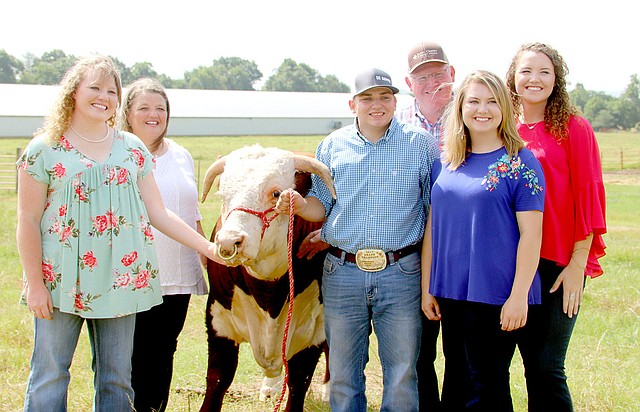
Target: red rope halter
{"x": 285, "y": 335}
{"x": 266, "y": 221}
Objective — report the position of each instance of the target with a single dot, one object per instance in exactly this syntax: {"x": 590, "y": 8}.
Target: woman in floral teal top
{"x": 86, "y": 201}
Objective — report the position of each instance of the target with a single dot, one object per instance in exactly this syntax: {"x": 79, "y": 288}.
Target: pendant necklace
{"x": 530, "y": 127}
{"x": 89, "y": 140}
{"x": 533, "y": 125}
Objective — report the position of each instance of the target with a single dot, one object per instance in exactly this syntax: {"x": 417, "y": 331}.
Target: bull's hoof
{"x": 271, "y": 387}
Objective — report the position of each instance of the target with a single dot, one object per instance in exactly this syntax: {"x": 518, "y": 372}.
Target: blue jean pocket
{"x": 410, "y": 265}
{"x": 330, "y": 264}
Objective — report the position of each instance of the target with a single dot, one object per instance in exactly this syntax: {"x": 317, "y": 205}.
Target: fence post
{"x": 621, "y": 160}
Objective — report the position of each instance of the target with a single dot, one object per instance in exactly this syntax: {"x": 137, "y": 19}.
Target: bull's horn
{"x": 312, "y": 165}
{"x": 214, "y": 170}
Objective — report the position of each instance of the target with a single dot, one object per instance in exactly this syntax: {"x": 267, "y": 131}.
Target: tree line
{"x": 226, "y": 73}
{"x": 605, "y": 112}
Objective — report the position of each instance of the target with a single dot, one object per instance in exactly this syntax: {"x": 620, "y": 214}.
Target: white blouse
{"x": 180, "y": 268}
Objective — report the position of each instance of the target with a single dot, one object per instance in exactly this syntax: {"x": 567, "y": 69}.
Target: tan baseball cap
{"x": 425, "y": 52}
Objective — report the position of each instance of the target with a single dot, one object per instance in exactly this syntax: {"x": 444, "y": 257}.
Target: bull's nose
{"x": 229, "y": 244}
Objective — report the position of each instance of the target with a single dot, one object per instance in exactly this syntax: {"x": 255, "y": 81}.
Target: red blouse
{"x": 575, "y": 201}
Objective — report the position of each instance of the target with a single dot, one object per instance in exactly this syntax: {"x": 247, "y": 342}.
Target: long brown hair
{"x": 559, "y": 108}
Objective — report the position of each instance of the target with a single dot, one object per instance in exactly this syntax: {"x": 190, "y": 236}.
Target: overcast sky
{"x": 599, "y": 41}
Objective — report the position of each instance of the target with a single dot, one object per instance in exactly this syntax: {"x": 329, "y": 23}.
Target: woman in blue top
{"x": 482, "y": 241}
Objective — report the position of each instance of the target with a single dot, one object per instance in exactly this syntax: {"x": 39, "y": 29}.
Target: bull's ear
{"x": 214, "y": 170}
{"x": 302, "y": 182}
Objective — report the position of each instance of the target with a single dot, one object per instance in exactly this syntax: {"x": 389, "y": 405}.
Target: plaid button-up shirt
{"x": 411, "y": 115}
{"x": 383, "y": 188}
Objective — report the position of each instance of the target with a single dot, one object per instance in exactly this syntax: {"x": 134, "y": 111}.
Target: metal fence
{"x": 8, "y": 172}
{"x": 620, "y": 159}
{"x": 612, "y": 160}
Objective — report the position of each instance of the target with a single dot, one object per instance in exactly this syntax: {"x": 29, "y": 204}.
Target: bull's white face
{"x": 253, "y": 179}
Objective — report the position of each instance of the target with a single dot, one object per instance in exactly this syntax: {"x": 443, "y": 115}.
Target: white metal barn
{"x": 203, "y": 112}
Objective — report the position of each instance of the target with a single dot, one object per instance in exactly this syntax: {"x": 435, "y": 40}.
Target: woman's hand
{"x": 39, "y": 301}
{"x": 572, "y": 280}
{"x": 514, "y": 313}
{"x": 430, "y": 306}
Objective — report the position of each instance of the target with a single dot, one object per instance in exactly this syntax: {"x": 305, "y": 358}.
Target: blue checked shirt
{"x": 382, "y": 189}
{"x": 411, "y": 115}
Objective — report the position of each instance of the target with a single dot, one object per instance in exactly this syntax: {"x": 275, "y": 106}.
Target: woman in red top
{"x": 574, "y": 218}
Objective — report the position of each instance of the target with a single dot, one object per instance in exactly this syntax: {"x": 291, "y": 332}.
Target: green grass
{"x": 602, "y": 365}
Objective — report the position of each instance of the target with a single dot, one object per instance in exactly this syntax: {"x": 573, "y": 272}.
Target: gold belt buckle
{"x": 371, "y": 260}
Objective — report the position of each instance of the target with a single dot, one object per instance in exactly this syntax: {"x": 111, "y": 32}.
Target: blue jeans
{"x": 54, "y": 344}
{"x": 388, "y": 301}
{"x": 544, "y": 353}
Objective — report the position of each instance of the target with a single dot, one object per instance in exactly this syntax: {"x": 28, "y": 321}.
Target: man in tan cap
{"x": 430, "y": 78}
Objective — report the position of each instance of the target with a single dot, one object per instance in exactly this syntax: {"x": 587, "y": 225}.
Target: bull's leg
{"x": 301, "y": 368}
{"x": 223, "y": 362}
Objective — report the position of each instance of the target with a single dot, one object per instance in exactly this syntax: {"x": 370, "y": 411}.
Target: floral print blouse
{"x": 98, "y": 257}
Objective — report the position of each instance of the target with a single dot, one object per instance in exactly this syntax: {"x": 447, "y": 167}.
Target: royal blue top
{"x": 474, "y": 226}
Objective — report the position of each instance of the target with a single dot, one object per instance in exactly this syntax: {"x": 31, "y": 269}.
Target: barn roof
{"x": 35, "y": 100}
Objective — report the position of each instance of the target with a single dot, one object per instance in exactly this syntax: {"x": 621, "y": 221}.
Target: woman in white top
{"x": 145, "y": 112}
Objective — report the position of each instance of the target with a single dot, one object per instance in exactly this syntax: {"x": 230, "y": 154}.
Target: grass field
{"x": 603, "y": 363}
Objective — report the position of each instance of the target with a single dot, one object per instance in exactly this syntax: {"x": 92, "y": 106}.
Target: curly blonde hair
{"x": 59, "y": 118}
{"x": 457, "y": 141}
{"x": 559, "y": 108}
{"x": 143, "y": 85}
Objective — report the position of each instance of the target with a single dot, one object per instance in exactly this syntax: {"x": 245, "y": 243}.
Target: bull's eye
{"x": 276, "y": 194}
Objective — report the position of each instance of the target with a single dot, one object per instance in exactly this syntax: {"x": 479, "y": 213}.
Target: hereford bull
{"x": 249, "y": 294}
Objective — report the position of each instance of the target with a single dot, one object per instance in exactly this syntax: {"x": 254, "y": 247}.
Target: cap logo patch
{"x": 421, "y": 54}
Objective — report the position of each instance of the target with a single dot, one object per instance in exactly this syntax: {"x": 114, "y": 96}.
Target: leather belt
{"x": 398, "y": 254}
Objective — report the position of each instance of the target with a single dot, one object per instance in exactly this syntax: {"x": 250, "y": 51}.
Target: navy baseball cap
{"x": 371, "y": 78}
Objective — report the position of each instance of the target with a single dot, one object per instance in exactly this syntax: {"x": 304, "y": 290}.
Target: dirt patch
{"x": 623, "y": 177}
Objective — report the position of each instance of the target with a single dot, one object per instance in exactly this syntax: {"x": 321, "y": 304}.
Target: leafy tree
{"x": 579, "y": 96}
{"x": 47, "y": 69}
{"x": 10, "y": 67}
{"x": 203, "y": 77}
{"x": 169, "y": 83}
{"x": 144, "y": 69}
{"x": 603, "y": 120}
{"x": 331, "y": 83}
{"x": 235, "y": 73}
{"x": 226, "y": 73}
{"x": 294, "y": 77}
{"x": 125, "y": 71}
{"x": 630, "y": 104}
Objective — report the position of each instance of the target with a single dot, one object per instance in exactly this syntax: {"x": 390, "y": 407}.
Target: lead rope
{"x": 285, "y": 335}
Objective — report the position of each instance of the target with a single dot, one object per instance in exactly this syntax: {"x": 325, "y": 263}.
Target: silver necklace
{"x": 89, "y": 140}
{"x": 530, "y": 127}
